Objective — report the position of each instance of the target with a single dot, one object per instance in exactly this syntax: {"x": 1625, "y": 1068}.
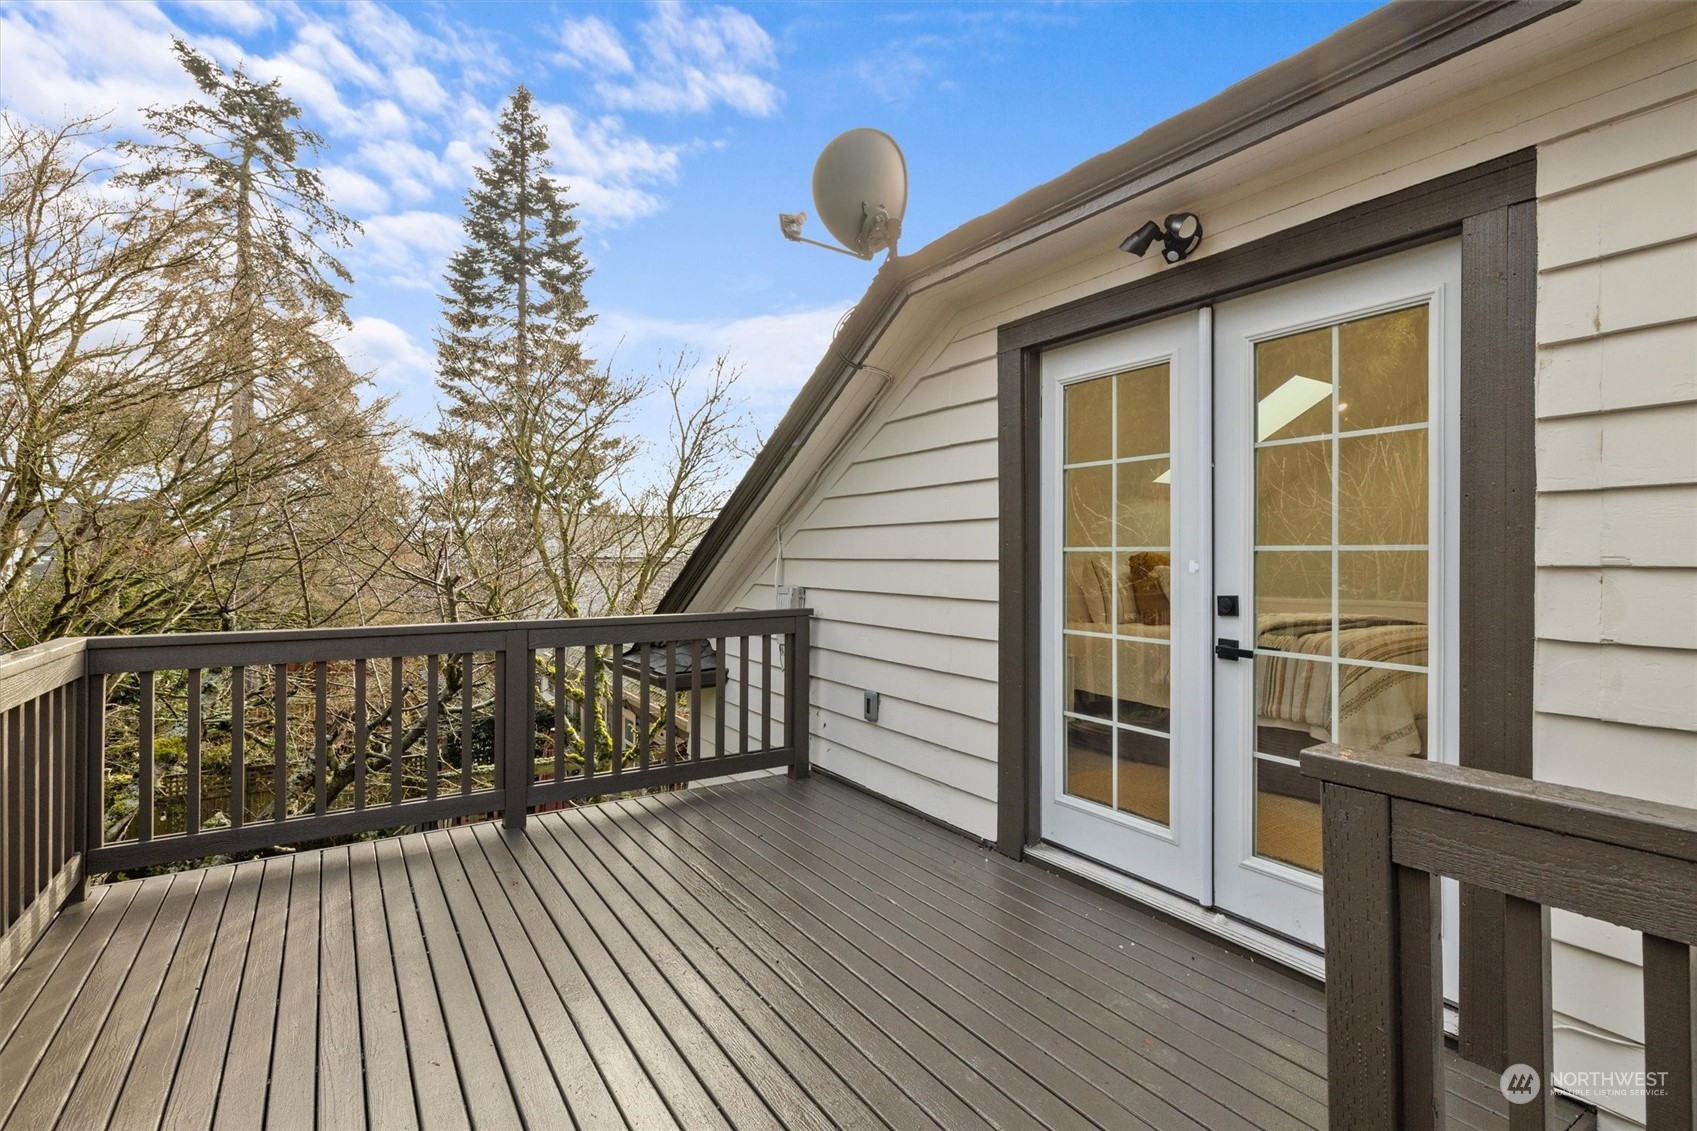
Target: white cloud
{"x": 242, "y": 16}
{"x": 692, "y": 61}
{"x": 895, "y": 74}
{"x": 610, "y": 171}
{"x": 352, "y": 191}
{"x": 396, "y": 363}
{"x": 408, "y": 249}
{"x": 594, "y": 44}
{"x": 776, "y": 352}
{"x": 68, "y": 60}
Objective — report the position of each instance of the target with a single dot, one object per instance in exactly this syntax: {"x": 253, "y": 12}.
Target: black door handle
{"x": 1228, "y": 650}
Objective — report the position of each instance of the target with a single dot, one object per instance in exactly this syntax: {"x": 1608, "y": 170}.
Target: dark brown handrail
{"x": 1392, "y": 825}
{"x": 535, "y": 713}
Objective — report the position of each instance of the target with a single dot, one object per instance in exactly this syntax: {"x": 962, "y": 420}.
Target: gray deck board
{"x": 766, "y": 954}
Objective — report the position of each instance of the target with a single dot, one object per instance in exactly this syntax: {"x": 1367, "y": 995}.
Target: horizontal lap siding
{"x": 897, "y": 551}
{"x": 1617, "y": 517}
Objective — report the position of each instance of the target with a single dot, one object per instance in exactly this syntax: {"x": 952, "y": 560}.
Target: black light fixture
{"x": 1179, "y": 236}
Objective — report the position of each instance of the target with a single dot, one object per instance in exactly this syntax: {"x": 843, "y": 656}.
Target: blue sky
{"x": 682, "y": 130}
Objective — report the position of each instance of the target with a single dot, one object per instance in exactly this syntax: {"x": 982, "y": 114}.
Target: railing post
{"x": 91, "y": 771}
{"x": 1381, "y": 1050}
{"x": 797, "y": 692}
{"x": 517, "y": 727}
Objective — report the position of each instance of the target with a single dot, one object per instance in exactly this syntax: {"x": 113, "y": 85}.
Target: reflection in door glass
{"x": 1342, "y": 561}
{"x": 1117, "y": 530}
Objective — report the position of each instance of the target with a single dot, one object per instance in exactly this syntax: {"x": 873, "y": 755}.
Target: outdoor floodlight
{"x": 1179, "y": 237}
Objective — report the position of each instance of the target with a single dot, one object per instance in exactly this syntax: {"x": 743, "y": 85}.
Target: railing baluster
{"x": 191, "y": 751}
{"x": 432, "y": 744}
{"x": 466, "y": 670}
{"x": 238, "y": 746}
{"x": 721, "y": 684}
{"x": 1422, "y": 977}
{"x": 643, "y": 658}
{"x": 671, "y": 701}
{"x": 1527, "y": 1004}
{"x": 144, "y": 760}
{"x": 16, "y": 807}
{"x": 765, "y": 691}
{"x": 280, "y": 742}
{"x": 396, "y": 688}
{"x": 31, "y": 877}
{"x": 617, "y": 683}
{"x": 589, "y": 718}
{"x": 1668, "y": 1034}
{"x": 93, "y": 781}
{"x": 320, "y": 737}
{"x": 361, "y": 735}
{"x": 559, "y": 714}
{"x": 742, "y": 696}
{"x": 695, "y": 700}
{"x": 50, "y": 802}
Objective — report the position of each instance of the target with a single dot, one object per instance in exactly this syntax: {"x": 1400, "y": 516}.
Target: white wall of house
{"x": 896, "y": 541}
{"x": 1617, "y": 513}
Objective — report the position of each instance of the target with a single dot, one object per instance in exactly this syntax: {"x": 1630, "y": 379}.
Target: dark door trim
{"x": 1491, "y": 206}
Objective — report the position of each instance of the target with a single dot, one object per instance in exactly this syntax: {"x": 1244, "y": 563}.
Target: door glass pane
{"x": 1118, "y": 605}
{"x": 1287, "y": 814}
{"x": 1383, "y": 710}
{"x": 1145, "y": 777}
{"x": 1382, "y": 489}
{"x": 1382, "y": 376}
{"x": 1090, "y": 505}
{"x": 1293, "y": 494}
{"x": 1292, "y": 584}
{"x": 1388, "y": 585}
{"x": 1141, "y": 419}
{"x": 1293, "y": 386}
{"x": 1090, "y": 761}
{"x": 1145, "y": 581}
{"x": 1341, "y": 624}
{"x": 1145, "y": 503}
{"x": 1089, "y": 591}
{"x": 1089, "y": 420}
{"x": 1090, "y": 675}
{"x": 1145, "y": 681}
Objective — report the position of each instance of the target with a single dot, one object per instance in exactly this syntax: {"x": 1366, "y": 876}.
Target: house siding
{"x": 897, "y": 541}
{"x": 1617, "y": 516}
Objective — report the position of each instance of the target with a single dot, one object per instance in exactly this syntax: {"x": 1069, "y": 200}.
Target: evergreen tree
{"x": 264, "y": 271}
{"x": 527, "y": 440}
{"x": 515, "y": 307}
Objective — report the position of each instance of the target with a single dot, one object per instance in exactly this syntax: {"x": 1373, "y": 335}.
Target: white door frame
{"x": 1174, "y": 857}
{"x": 1276, "y": 896}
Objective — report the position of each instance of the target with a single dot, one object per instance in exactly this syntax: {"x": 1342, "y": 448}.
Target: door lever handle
{"x": 1228, "y": 650}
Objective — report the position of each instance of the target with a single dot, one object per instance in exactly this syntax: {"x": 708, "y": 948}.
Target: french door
{"x": 1246, "y": 554}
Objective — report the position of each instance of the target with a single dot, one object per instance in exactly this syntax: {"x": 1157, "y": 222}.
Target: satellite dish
{"x": 859, "y": 191}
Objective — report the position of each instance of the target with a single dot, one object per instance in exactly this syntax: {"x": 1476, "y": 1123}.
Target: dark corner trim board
{"x": 1491, "y": 207}
{"x": 1382, "y": 48}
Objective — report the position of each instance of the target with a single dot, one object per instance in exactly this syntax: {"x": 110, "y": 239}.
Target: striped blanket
{"x": 1379, "y": 709}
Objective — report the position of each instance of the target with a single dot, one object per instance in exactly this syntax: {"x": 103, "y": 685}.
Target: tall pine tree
{"x": 515, "y": 307}
{"x": 527, "y": 442}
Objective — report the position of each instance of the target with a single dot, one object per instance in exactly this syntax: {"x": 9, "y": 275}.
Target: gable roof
{"x": 1384, "y": 47}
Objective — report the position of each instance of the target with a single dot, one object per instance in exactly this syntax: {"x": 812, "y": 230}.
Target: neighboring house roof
{"x": 1387, "y": 45}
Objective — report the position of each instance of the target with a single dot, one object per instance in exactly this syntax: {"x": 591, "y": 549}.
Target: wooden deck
{"x": 767, "y": 954}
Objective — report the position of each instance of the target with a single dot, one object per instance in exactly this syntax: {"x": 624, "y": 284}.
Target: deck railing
{"x": 1391, "y": 826}
{"x": 281, "y": 738}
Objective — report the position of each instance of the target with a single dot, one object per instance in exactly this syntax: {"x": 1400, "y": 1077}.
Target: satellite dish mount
{"x": 860, "y": 193}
